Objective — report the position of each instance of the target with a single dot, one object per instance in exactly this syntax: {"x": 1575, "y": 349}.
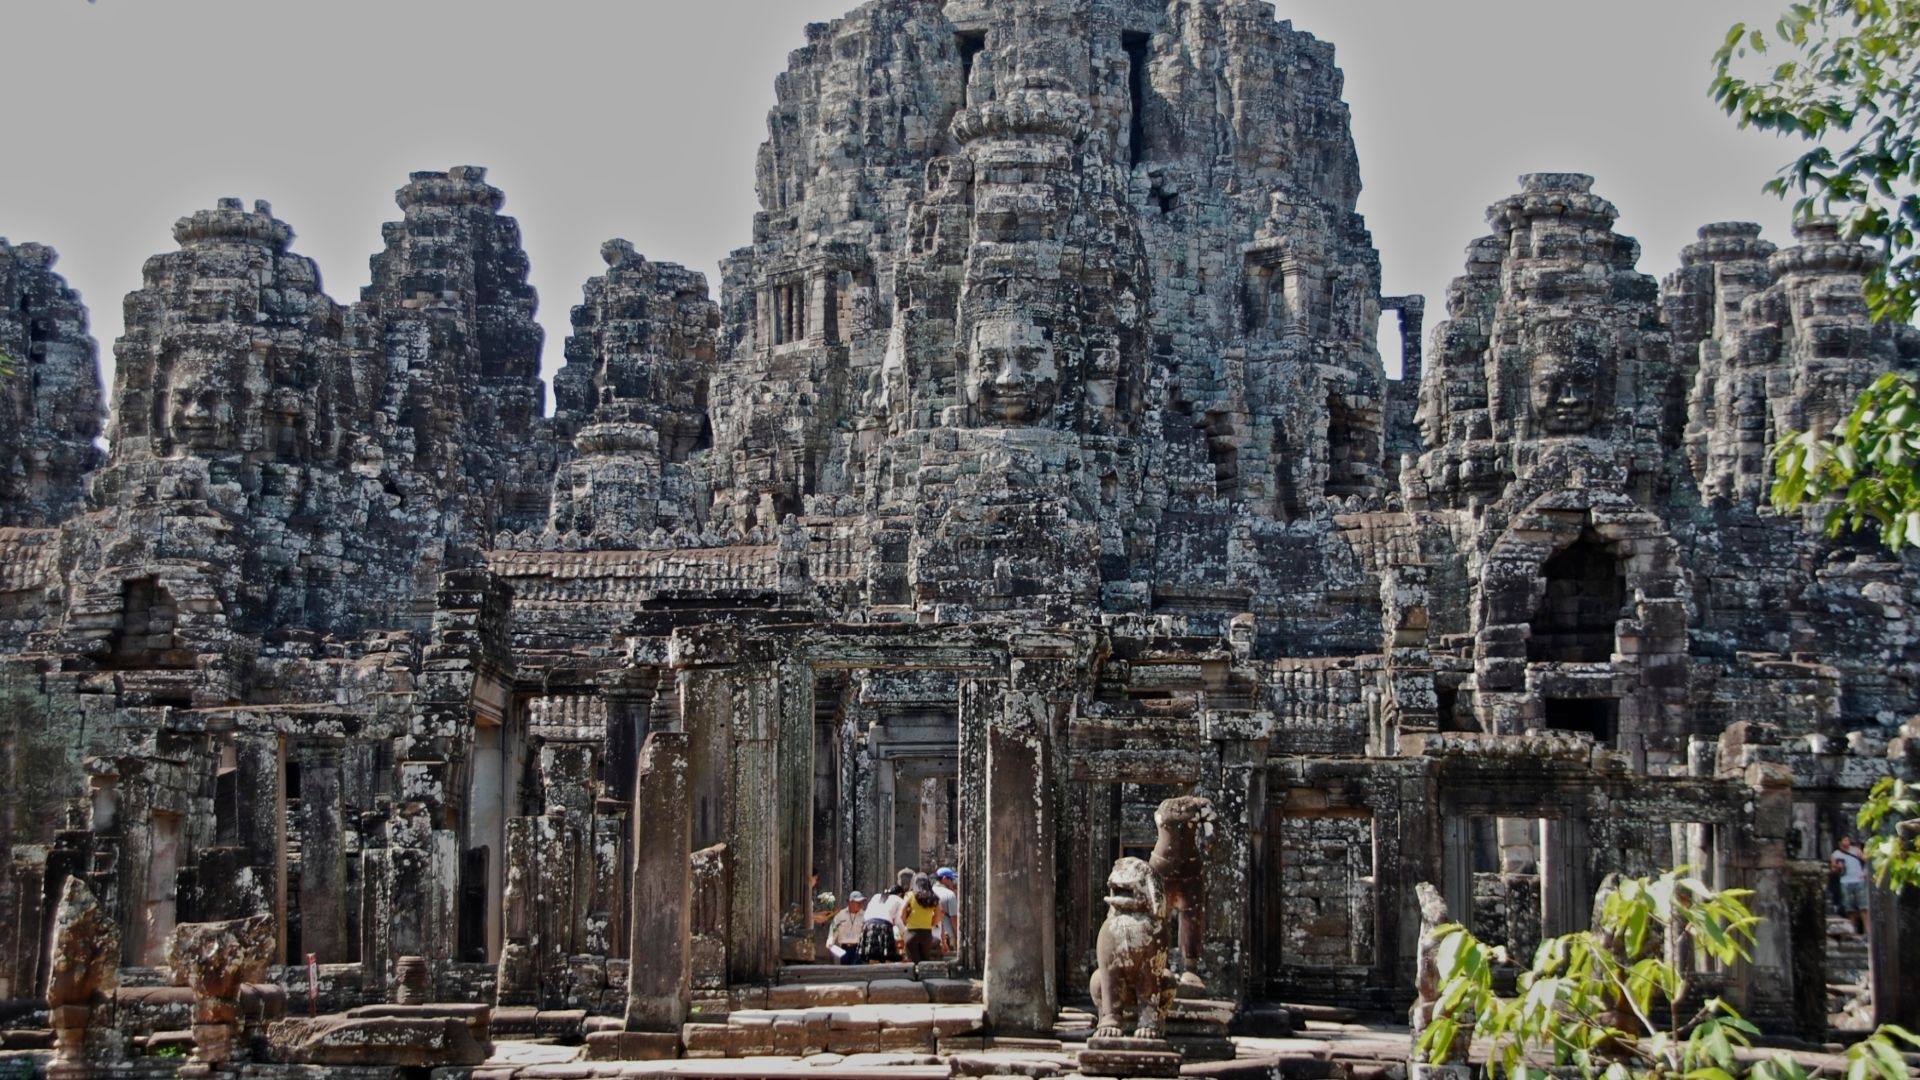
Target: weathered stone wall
{"x": 51, "y": 410}
{"x": 1036, "y": 464}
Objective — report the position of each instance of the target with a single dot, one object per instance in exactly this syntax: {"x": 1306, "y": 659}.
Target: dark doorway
{"x": 1598, "y": 717}
{"x": 1585, "y": 595}
{"x": 1136, "y": 45}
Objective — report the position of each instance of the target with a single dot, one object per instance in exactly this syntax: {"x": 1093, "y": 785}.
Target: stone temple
{"x": 1036, "y": 466}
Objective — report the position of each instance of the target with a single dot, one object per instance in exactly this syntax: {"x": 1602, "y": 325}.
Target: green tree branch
{"x": 1849, "y": 84}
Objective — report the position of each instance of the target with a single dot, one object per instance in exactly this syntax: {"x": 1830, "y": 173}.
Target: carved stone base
{"x": 1125, "y": 1057}
{"x": 1422, "y": 1071}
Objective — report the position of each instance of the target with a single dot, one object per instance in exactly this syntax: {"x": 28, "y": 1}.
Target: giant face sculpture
{"x": 1567, "y": 377}
{"x": 200, "y": 410}
{"x": 1012, "y": 379}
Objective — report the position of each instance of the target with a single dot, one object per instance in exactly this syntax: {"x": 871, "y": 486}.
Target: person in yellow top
{"x": 918, "y": 916}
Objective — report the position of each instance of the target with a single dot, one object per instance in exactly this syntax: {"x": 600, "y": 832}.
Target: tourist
{"x": 947, "y": 930}
{"x": 877, "y": 945}
{"x": 843, "y": 933}
{"x": 1853, "y": 883}
{"x": 919, "y": 914}
{"x": 902, "y": 885}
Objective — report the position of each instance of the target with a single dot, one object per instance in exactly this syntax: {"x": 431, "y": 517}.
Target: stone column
{"x": 794, "y": 760}
{"x": 979, "y": 704}
{"x": 753, "y": 836}
{"x": 660, "y": 979}
{"x": 1808, "y": 912}
{"x": 1893, "y": 959}
{"x": 323, "y": 861}
{"x": 1022, "y": 991}
{"x": 1239, "y": 742}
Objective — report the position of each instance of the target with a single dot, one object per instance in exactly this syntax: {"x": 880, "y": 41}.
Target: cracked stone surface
{"x": 1034, "y": 465}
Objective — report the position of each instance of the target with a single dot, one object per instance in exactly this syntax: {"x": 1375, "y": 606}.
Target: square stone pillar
{"x": 1894, "y": 958}
{"x": 1239, "y": 741}
{"x": 753, "y": 826}
{"x": 660, "y": 971}
{"x": 323, "y": 860}
{"x": 794, "y": 758}
{"x": 1022, "y": 990}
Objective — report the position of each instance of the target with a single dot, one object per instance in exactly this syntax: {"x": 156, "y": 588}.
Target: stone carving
{"x": 216, "y": 960}
{"x": 1568, "y": 367}
{"x": 85, "y": 966}
{"x": 1012, "y": 379}
{"x": 1186, "y": 828}
{"x": 51, "y": 411}
{"x": 1428, "y": 978}
{"x": 1132, "y": 989}
{"x": 1052, "y": 359}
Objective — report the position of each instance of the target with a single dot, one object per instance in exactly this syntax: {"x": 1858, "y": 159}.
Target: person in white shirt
{"x": 1852, "y": 868}
{"x": 877, "y": 944}
{"x": 947, "y": 931}
{"x": 843, "y": 933}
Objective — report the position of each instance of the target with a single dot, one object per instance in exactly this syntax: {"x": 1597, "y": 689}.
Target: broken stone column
{"x": 217, "y": 959}
{"x": 660, "y": 975}
{"x": 85, "y": 966}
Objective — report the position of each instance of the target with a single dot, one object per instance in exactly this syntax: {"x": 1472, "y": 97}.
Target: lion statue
{"x": 1186, "y": 827}
{"x": 1132, "y": 983}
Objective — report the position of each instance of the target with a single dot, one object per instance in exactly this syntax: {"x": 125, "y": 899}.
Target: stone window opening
{"x": 146, "y": 639}
{"x": 1598, "y": 717}
{"x": 1352, "y": 435}
{"x": 1450, "y": 718}
{"x": 1264, "y": 302}
{"x": 789, "y": 315}
{"x": 970, "y": 43}
{"x": 1136, "y": 45}
{"x": 1505, "y": 886}
{"x": 1325, "y": 888}
{"x": 1585, "y": 594}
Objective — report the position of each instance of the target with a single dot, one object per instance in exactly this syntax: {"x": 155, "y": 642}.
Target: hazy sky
{"x": 640, "y": 119}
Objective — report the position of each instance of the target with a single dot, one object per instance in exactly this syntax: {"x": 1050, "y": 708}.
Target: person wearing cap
{"x": 947, "y": 930}
{"x": 843, "y": 933}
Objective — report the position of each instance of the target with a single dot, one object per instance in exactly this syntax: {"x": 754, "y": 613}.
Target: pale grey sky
{"x": 640, "y": 118}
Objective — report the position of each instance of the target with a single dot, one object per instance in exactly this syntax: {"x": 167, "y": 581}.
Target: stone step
{"x": 900, "y": 991}
{"x": 853, "y": 1029}
{"x": 793, "y": 974}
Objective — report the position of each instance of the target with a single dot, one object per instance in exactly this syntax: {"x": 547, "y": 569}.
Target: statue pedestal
{"x": 1198, "y": 1029}
{"x": 1127, "y": 1057}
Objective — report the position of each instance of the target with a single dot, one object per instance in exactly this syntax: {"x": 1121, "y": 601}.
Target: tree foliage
{"x": 1852, "y": 73}
{"x": 1613, "y": 1002}
{"x": 1891, "y": 819}
{"x": 1869, "y": 465}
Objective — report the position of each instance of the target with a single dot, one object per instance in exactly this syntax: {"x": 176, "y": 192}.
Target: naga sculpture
{"x": 1186, "y": 827}
{"x": 85, "y": 966}
{"x": 216, "y": 960}
{"x": 1132, "y": 984}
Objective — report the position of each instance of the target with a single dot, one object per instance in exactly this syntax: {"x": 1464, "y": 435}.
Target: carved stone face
{"x": 1567, "y": 374}
{"x": 200, "y": 415}
{"x": 1012, "y": 379}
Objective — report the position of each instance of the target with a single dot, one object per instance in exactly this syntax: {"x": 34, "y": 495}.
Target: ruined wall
{"x": 51, "y": 410}
{"x": 1039, "y": 442}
